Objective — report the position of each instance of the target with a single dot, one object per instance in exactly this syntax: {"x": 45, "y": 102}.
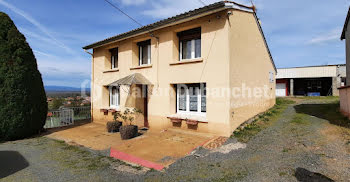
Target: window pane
{"x": 182, "y": 99}
{"x": 112, "y": 61}
{"x": 194, "y": 92}
{"x": 198, "y": 48}
{"x": 204, "y": 99}
{"x": 144, "y": 54}
{"x": 186, "y": 49}
{"x": 118, "y": 97}
{"x": 116, "y": 61}
{"x": 113, "y": 96}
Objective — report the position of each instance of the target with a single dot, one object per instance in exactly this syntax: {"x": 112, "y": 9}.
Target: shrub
{"x": 128, "y": 131}
{"x": 23, "y": 106}
{"x": 113, "y": 126}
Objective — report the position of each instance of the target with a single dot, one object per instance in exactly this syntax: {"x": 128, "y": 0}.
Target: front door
{"x": 145, "y": 96}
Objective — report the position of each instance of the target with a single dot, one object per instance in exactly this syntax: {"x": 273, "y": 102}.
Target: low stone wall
{"x": 344, "y": 97}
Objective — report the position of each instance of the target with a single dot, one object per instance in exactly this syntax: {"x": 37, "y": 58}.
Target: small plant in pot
{"x": 114, "y": 126}
{"x": 129, "y": 130}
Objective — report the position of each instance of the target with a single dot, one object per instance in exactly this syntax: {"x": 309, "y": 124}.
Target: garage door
{"x": 280, "y": 89}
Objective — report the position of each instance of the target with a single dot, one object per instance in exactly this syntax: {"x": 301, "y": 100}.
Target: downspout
{"x": 92, "y": 85}
{"x": 152, "y": 35}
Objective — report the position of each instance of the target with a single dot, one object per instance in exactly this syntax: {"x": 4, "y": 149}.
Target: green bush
{"x": 23, "y": 105}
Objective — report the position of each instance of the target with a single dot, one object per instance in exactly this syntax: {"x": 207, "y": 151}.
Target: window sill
{"x": 188, "y": 61}
{"x": 111, "y": 109}
{"x": 141, "y": 67}
{"x": 111, "y": 70}
{"x": 197, "y": 117}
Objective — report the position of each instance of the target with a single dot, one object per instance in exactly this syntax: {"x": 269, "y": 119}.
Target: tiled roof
{"x": 345, "y": 25}
{"x": 150, "y": 27}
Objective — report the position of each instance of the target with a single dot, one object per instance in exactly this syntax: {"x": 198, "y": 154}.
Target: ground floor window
{"x": 191, "y": 98}
{"x": 114, "y": 97}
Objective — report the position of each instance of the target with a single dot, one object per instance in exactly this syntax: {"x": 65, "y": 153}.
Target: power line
{"x": 114, "y": 6}
{"x": 202, "y": 2}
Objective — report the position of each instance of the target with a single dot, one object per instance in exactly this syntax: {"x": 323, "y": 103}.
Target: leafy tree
{"x": 23, "y": 106}
{"x": 57, "y": 103}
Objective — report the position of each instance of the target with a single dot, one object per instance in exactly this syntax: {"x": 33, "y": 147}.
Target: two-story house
{"x": 208, "y": 69}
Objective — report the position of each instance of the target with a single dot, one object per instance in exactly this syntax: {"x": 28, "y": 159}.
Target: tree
{"x": 23, "y": 105}
{"x": 57, "y": 103}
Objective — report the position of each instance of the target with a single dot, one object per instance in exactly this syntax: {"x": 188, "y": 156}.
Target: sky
{"x": 298, "y": 32}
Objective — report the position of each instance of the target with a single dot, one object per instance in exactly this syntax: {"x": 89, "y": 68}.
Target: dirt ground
{"x": 310, "y": 140}
{"x": 161, "y": 148}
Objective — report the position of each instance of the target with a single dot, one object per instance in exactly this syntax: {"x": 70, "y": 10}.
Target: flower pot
{"x": 175, "y": 120}
{"x": 128, "y": 131}
{"x": 105, "y": 111}
{"x": 113, "y": 126}
{"x": 191, "y": 122}
{"x": 112, "y": 111}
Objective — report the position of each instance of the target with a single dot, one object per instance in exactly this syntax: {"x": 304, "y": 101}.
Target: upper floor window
{"x": 144, "y": 52}
{"x": 190, "y": 43}
{"x": 114, "y": 97}
{"x": 114, "y": 58}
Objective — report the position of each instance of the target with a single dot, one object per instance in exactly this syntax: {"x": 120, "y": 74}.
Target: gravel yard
{"x": 308, "y": 140}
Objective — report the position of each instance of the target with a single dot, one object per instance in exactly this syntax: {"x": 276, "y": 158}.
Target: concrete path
{"x": 90, "y": 135}
{"x": 159, "y": 149}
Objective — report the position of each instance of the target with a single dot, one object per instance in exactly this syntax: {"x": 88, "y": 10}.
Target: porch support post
{"x": 335, "y": 86}
{"x": 291, "y": 87}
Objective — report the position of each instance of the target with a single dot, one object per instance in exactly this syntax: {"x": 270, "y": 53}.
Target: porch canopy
{"x": 133, "y": 79}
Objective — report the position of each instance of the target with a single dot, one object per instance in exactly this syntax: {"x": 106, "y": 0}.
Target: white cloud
{"x": 57, "y": 72}
{"x": 42, "y": 53}
{"x": 133, "y": 2}
{"x": 330, "y": 36}
{"x": 36, "y": 24}
{"x": 168, "y": 8}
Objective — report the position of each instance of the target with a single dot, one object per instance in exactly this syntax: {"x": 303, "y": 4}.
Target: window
{"x": 144, "y": 52}
{"x": 114, "y": 58}
{"x": 114, "y": 97}
{"x": 190, "y": 43}
{"x": 343, "y": 81}
{"x": 191, "y": 98}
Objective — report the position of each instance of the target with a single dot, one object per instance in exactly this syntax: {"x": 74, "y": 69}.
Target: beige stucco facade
{"x": 234, "y": 59}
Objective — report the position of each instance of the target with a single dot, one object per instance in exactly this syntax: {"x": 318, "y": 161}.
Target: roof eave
{"x": 96, "y": 45}
{"x": 213, "y": 8}
{"x": 342, "y": 37}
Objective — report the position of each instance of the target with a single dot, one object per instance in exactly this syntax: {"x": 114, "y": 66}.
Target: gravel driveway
{"x": 302, "y": 144}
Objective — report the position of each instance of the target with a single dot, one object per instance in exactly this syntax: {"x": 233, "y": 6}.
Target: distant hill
{"x": 54, "y": 88}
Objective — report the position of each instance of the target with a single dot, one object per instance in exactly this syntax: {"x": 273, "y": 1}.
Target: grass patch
{"x": 78, "y": 158}
{"x": 286, "y": 150}
{"x": 319, "y": 98}
{"x": 300, "y": 119}
{"x": 283, "y": 173}
{"x": 229, "y": 175}
{"x": 329, "y": 111}
{"x": 262, "y": 121}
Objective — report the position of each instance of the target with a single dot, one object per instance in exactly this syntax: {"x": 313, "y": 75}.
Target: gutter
{"x": 155, "y": 29}
{"x": 214, "y": 9}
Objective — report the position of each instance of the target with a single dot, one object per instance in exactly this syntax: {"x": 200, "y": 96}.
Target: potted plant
{"x": 129, "y": 130}
{"x": 191, "y": 122}
{"x": 113, "y": 126}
